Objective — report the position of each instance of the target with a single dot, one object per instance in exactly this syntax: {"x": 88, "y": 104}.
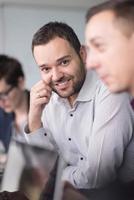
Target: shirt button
{"x": 81, "y": 158}
{"x": 69, "y": 139}
{"x": 71, "y": 115}
{"x": 45, "y": 134}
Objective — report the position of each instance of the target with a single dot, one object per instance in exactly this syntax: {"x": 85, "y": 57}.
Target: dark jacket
{"x": 6, "y": 120}
{"x": 5, "y": 127}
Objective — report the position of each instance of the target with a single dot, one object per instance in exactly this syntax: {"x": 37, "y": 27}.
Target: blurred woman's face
{"x": 10, "y": 96}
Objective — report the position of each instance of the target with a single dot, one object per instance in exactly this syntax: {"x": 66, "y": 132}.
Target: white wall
{"x": 18, "y": 23}
{"x": 56, "y": 3}
{"x": 1, "y": 29}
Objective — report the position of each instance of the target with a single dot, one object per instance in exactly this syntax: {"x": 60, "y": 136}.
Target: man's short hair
{"x": 56, "y": 29}
{"x": 122, "y": 10}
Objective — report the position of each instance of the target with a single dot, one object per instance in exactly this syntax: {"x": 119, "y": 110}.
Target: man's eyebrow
{"x": 59, "y": 60}
{"x": 43, "y": 65}
{"x": 95, "y": 38}
{"x": 62, "y": 58}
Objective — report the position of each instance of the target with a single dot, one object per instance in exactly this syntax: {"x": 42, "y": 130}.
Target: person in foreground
{"x": 110, "y": 43}
{"x": 75, "y": 115}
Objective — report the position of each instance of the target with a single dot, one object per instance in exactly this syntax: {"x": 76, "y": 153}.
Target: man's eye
{"x": 65, "y": 62}
{"x": 45, "y": 69}
{"x": 96, "y": 45}
{"x": 99, "y": 47}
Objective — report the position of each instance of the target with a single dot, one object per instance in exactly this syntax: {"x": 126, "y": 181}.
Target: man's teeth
{"x": 62, "y": 83}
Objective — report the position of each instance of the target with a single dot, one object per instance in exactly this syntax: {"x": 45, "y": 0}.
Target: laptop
{"x": 33, "y": 170}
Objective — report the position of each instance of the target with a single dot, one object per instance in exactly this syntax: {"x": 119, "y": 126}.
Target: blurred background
{"x": 20, "y": 19}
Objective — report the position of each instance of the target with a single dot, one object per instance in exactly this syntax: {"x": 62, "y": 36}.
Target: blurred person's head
{"x": 11, "y": 83}
{"x": 60, "y": 57}
{"x": 110, "y": 43}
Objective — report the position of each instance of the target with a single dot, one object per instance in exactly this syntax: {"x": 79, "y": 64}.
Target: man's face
{"x": 10, "y": 96}
{"x": 59, "y": 63}
{"x": 110, "y": 52}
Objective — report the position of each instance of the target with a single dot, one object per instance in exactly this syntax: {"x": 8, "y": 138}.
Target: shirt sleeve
{"x": 41, "y": 137}
{"x": 111, "y": 133}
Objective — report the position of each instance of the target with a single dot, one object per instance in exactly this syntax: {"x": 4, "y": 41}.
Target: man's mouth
{"x": 62, "y": 84}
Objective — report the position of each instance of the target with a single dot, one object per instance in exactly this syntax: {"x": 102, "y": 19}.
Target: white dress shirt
{"x": 91, "y": 136}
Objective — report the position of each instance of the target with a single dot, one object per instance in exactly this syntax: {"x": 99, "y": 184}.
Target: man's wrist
{"x": 30, "y": 129}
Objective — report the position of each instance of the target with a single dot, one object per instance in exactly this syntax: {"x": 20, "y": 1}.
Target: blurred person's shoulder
{"x": 103, "y": 90}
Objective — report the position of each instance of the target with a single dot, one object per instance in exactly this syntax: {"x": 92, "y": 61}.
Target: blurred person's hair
{"x": 10, "y": 70}
{"x": 52, "y": 30}
{"x": 123, "y": 11}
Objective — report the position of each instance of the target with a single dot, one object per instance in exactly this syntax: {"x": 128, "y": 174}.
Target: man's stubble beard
{"x": 78, "y": 85}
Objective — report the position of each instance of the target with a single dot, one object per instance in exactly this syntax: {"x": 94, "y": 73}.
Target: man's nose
{"x": 91, "y": 61}
{"x": 56, "y": 74}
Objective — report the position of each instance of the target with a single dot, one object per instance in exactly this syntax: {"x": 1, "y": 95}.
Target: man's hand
{"x": 39, "y": 96}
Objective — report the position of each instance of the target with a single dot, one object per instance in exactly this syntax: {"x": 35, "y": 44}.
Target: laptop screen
{"x": 29, "y": 169}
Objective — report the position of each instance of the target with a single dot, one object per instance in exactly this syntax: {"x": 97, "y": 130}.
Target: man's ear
{"x": 83, "y": 53}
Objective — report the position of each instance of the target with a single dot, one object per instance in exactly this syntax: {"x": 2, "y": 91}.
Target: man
{"x": 14, "y": 98}
{"x": 110, "y": 46}
{"x": 89, "y": 127}
{"x": 110, "y": 43}
{"x": 6, "y": 119}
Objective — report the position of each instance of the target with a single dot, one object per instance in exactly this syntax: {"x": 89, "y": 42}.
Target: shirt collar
{"x": 88, "y": 89}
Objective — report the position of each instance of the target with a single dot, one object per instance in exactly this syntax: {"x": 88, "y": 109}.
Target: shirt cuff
{"x": 39, "y": 138}
{"x": 76, "y": 177}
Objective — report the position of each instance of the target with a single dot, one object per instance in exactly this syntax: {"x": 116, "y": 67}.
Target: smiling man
{"x": 110, "y": 43}
{"x": 84, "y": 124}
